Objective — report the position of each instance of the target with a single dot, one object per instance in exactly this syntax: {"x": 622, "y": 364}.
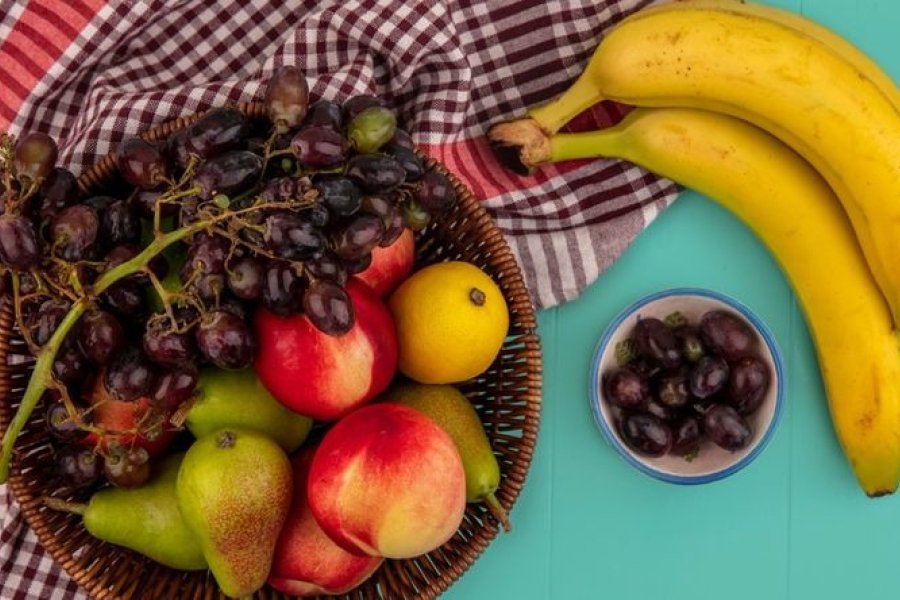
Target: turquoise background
{"x": 792, "y": 525}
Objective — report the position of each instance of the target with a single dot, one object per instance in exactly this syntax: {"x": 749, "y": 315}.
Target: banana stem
{"x": 580, "y": 96}
{"x": 63, "y": 506}
{"x": 41, "y": 376}
{"x": 498, "y": 511}
{"x": 605, "y": 143}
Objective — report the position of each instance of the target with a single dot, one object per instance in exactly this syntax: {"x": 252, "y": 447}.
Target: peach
{"x": 322, "y": 376}
{"x": 391, "y": 265}
{"x": 387, "y": 481}
{"x": 306, "y": 561}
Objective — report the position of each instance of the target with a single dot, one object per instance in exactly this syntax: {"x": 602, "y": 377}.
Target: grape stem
{"x": 43, "y": 367}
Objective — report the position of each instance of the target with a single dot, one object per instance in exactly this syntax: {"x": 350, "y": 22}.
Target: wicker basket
{"x": 507, "y": 398}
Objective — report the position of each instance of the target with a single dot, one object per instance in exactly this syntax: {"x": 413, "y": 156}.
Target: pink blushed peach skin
{"x": 307, "y": 562}
{"x": 391, "y": 265}
{"x": 322, "y": 376}
{"x": 387, "y": 481}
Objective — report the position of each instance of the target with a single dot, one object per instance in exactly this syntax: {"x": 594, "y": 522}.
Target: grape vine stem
{"x": 43, "y": 367}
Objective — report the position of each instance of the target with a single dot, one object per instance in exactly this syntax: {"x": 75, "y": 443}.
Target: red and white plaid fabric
{"x": 90, "y": 72}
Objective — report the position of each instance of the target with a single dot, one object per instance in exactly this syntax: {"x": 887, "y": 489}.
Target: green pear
{"x": 234, "y": 489}
{"x": 239, "y": 399}
{"x": 146, "y": 519}
{"x": 452, "y": 411}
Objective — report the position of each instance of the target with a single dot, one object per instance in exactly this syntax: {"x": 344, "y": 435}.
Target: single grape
{"x": 126, "y": 298}
{"x": 655, "y": 341}
{"x": 356, "y": 104}
{"x": 359, "y": 265}
{"x": 164, "y": 345}
{"x": 686, "y": 436}
{"x": 203, "y": 271}
{"x": 328, "y": 266}
{"x": 320, "y": 147}
{"x": 143, "y": 163}
{"x": 748, "y": 384}
{"x": 245, "y": 278}
{"x": 19, "y": 248}
{"x": 646, "y": 434}
{"x": 401, "y": 139}
{"x": 290, "y": 236}
{"x": 69, "y": 366}
{"x": 74, "y": 232}
{"x": 394, "y": 229}
{"x": 414, "y": 216}
{"x": 174, "y": 387}
{"x": 375, "y": 172}
{"x": 282, "y": 289}
{"x": 225, "y": 340}
{"x": 61, "y": 426}
{"x": 145, "y": 201}
{"x": 726, "y": 428}
{"x": 217, "y": 131}
{"x": 317, "y": 214}
{"x": 435, "y": 193}
{"x": 208, "y": 253}
{"x": 58, "y": 190}
{"x": 410, "y": 162}
{"x": 47, "y": 319}
{"x": 727, "y": 335}
{"x": 229, "y": 174}
{"x": 673, "y": 390}
{"x": 709, "y": 377}
{"x": 626, "y": 388}
{"x": 127, "y": 467}
{"x": 79, "y": 467}
{"x": 279, "y": 189}
{"x": 234, "y": 306}
{"x": 35, "y": 156}
{"x": 691, "y": 345}
{"x": 339, "y": 195}
{"x": 329, "y": 307}
{"x": 378, "y": 205}
{"x": 129, "y": 375}
{"x": 358, "y": 237}
{"x": 119, "y": 224}
{"x": 371, "y": 128}
{"x": 326, "y": 114}
{"x": 99, "y": 336}
{"x": 287, "y": 97}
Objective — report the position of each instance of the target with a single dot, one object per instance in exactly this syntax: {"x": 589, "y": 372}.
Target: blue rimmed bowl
{"x": 712, "y": 462}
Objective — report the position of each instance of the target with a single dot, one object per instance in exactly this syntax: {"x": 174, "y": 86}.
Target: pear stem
{"x": 63, "y": 506}
{"x": 497, "y": 510}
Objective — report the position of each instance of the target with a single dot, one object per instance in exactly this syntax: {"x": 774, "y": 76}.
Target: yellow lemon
{"x": 451, "y": 322}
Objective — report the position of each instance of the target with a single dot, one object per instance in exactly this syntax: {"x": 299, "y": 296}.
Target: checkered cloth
{"x": 90, "y": 72}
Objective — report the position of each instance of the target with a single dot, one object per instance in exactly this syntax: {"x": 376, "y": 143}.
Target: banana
{"x": 796, "y": 215}
{"x": 790, "y": 82}
{"x": 839, "y": 45}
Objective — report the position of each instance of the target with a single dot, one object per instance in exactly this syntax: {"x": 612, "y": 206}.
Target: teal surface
{"x": 792, "y": 525}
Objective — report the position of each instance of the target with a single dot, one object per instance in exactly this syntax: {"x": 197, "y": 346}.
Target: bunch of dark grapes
{"x": 276, "y": 213}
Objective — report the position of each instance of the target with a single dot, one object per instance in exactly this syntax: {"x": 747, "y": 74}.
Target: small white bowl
{"x": 712, "y": 462}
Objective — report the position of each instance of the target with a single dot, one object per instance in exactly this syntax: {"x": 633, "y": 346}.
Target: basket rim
{"x": 520, "y": 305}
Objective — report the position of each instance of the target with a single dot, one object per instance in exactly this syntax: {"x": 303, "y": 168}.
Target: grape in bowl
{"x": 687, "y": 385}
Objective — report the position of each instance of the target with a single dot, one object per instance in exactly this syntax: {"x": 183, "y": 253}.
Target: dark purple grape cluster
{"x": 677, "y": 382}
{"x": 271, "y": 214}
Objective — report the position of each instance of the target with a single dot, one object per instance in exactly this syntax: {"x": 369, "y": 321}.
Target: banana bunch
{"x": 711, "y": 76}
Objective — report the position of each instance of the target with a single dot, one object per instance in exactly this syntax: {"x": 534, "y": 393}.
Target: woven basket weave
{"x": 507, "y": 398}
